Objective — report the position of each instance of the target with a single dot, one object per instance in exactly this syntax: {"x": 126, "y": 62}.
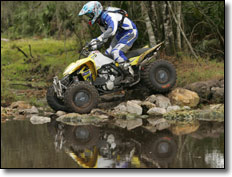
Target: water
{"x": 56, "y": 145}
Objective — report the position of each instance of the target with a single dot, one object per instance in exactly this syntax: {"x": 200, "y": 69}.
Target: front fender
{"x": 79, "y": 63}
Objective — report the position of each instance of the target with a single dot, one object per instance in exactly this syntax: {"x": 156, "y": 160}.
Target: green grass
{"x": 190, "y": 70}
{"x": 50, "y": 59}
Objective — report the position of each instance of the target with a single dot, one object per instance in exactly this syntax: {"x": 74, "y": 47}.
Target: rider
{"x": 111, "y": 24}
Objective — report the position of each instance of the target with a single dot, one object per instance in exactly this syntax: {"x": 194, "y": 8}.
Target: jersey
{"x": 111, "y": 22}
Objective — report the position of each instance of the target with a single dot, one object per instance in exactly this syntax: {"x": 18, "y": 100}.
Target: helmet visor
{"x": 90, "y": 15}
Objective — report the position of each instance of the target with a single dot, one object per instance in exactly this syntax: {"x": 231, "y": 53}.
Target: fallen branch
{"x": 28, "y": 85}
{"x": 20, "y": 50}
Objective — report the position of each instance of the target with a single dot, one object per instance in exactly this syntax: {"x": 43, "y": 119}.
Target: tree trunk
{"x": 190, "y": 46}
{"x": 183, "y": 42}
{"x": 178, "y": 35}
{"x": 154, "y": 19}
{"x": 150, "y": 32}
{"x": 168, "y": 33}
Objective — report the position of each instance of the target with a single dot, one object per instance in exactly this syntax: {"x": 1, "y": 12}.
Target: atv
{"x": 87, "y": 79}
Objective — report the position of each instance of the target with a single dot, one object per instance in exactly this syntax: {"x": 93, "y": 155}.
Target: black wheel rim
{"x": 163, "y": 148}
{"x": 82, "y": 134}
{"x": 82, "y": 98}
{"x": 162, "y": 76}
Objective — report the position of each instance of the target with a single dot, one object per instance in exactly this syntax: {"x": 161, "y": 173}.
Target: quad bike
{"x": 88, "y": 78}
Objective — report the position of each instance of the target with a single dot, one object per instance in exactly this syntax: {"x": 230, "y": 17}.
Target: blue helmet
{"x": 93, "y": 10}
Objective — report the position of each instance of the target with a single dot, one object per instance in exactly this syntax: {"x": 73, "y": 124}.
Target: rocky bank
{"x": 155, "y": 112}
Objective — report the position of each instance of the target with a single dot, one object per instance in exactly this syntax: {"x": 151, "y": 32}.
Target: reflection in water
{"x": 110, "y": 147}
{"x": 57, "y": 145}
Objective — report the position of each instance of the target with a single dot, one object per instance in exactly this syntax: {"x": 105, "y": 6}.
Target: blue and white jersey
{"x": 112, "y": 20}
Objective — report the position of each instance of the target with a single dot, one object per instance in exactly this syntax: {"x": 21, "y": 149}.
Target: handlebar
{"x": 87, "y": 48}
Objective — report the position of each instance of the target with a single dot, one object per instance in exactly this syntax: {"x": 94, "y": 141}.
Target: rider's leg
{"x": 112, "y": 45}
{"x": 118, "y": 52}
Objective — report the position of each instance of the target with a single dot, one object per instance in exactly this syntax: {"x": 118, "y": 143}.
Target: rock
{"x": 182, "y": 115}
{"x": 160, "y": 124}
{"x": 184, "y": 97}
{"x": 215, "y": 106}
{"x": 138, "y": 102}
{"x": 7, "y": 112}
{"x": 121, "y": 108}
{"x": 99, "y": 113}
{"x": 186, "y": 107}
{"x": 204, "y": 88}
{"x": 143, "y": 116}
{"x": 68, "y": 116}
{"x": 60, "y": 113}
{"x": 163, "y": 125}
{"x": 81, "y": 119}
{"x": 103, "y": 116}
{"x": 48, "y": 114}
{"x": 134, "y": 108}
{"x": 148, "y": 104}
{"x": 20, "y": 105}
{"x": 210, "y": 115}
{"x": 217, "y": 95}
{"x": 33, "y": 110}
{"x": 150, "y": 128}
{"x": 173, "y": 108}
{"x": 189, "y": 115}
{"x": 112, "y": 97}
{"x": 159, "y": 100}
{"x": 39, "y": 119}
{"x": 130, "y": 116}
{"x": 121, "y": 123}
{"x": 156, "y": 111}
{"x": 151, "y": 98}
{"x": 132, "y": 124}
{"x": 162, "y": 101}
{"x": 182, "y": 129}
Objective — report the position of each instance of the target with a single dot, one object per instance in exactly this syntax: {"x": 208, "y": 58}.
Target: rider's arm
{"x": 112, "y": 24}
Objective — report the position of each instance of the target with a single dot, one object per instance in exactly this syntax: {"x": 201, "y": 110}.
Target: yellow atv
{"x": 88, "y": 78}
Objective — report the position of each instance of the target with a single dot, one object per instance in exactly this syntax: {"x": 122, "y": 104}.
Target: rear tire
{"x": 159, "y": 76}
{"x": 81, "y": 97}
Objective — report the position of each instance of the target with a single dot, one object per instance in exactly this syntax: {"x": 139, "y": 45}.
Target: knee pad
{"x": 118, "y": 55}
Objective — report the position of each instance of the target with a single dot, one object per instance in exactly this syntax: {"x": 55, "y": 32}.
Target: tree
{"x": 148, "y": 24}
{"x": 168, "y": 31}
{"x": 178, "y": 33}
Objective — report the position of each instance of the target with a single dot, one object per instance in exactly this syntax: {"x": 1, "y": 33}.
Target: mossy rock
{"x": 187, "y": 115}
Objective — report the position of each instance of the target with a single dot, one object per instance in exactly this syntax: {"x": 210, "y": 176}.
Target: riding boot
{"x": 128, "y": 73}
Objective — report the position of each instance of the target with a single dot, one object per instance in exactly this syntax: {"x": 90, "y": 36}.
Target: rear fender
{"x": 79, "y": 64}
{"x": 142, "y": 56}
{"x": 134, "y": 60}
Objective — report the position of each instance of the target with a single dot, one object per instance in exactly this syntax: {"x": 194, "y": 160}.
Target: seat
{"x": 133, "y": 53}
{"x": 136, "y": 52}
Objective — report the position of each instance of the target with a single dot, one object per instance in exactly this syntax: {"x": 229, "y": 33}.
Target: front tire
{"x": 159, "y": 76}
{"x": 81, "y": 97}
{"x": 54, "y": 102}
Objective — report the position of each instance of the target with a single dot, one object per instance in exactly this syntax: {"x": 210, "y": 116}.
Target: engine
{"x": 110, "y": 76}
